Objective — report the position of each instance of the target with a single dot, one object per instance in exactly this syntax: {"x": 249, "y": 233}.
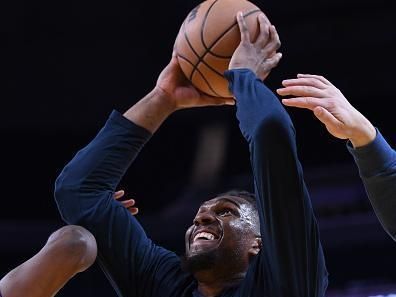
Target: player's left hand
{"x": 128, "y": 204}
{"x": 259, "y": 56}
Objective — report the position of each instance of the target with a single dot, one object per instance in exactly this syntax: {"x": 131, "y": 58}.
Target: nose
{"x": 204, "y": 218}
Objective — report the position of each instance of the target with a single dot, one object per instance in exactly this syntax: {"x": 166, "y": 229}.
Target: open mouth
{"x": 204, "y": 238}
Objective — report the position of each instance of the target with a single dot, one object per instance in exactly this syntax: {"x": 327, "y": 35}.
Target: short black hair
{"x": 248, "y": 196}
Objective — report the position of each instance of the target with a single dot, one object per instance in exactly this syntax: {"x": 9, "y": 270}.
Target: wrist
{"x": 241, "y": 67}
{"x": 162, "y": 100}
{"x": 365, "y": 135}
{"x": 151, "y": 111}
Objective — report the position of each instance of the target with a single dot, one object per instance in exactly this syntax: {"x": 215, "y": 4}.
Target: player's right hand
{"x": 176, "y": 88}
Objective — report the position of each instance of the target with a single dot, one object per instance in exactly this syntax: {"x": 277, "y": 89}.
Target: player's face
{"x": 224, "y": 225}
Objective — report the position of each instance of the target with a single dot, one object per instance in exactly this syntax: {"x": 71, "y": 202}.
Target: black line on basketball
{"x": 203, "y": 24}
{"x": 208, "y": 49}
{"x": 188, "y": 41}
{"x": 192, "y": 48}
{"x": 204, "y": 78}
{"x": 200, "y": 59}
{"x": 185, "y": 59}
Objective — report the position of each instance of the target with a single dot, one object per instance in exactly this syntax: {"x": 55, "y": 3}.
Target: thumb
{"x": 268, "y": 64}
{"x": 207, "y": 100}
{"x": 326, "y": 117}
{"x": 117, "y": 195}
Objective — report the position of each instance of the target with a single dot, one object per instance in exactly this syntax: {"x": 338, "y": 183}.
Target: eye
{"x": 225, "y": 212}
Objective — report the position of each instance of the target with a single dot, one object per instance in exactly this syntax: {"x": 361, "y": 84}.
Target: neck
{"x": 211, "y": 284}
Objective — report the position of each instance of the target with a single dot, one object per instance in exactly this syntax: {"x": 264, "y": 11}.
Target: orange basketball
{"x": 207, "y": 39}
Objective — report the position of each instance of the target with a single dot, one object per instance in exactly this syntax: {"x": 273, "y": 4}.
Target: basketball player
{"x": 236, "y": 246}
{"x": 68, "y": 251}
{"x": 374, "y": 157}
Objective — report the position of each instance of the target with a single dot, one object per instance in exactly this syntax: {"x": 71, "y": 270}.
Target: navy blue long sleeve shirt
{"x": 377, "y": 168}
{"x": 291, "y": 262}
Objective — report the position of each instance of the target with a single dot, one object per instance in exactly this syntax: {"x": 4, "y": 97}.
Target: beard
{"x": 199, "y": 262}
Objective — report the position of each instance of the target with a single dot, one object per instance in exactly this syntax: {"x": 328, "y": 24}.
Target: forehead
{"x": 237, "y": 201}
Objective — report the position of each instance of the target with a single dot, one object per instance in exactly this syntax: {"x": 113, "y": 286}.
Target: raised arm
{"x": 291, "y": 261}
{"x": 84, "y": 190}
{"x": 172, "y": 92}
{"x": 373, "y": 155}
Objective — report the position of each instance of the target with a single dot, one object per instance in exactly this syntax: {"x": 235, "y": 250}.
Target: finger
{"x": 301, "y": 91}
{"x": 245, "y": 36}
{"x": 323, "y": 115}
{"x": 133, "y": 210}
{"x": 274, "y": 60}
{"x": 303, "y": 102}
{"x": 308, "y": 81}
{"x": 174, "y": 61}
{"x": 119, "y": 194}
{"x": 207, "y": 100}
{"x": 128, "y": 203}
{"x": 274, "y": 43}
{"x": 264, "y": 25}
{"x": 270, "y": 63}
{"x": 318, "y": 77}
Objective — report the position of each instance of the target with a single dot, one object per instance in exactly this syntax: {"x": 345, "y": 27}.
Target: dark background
{"x": 65, "y": 65}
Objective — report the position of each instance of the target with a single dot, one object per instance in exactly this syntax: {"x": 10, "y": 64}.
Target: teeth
{"x": 205, "y": 235}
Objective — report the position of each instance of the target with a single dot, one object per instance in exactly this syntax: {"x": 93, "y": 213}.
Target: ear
{"x": 256, "y": 246}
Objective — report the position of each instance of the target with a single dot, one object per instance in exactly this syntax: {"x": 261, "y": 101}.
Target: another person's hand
{"x": 329, "y": 105}
{"x": 128, "y": 204}
{"x": 259, "y": 56}
{"x": 176, "y": 88}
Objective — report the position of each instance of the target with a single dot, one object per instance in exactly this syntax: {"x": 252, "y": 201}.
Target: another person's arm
{"x": 373, "y": 155}
{"x": 291, "y": 261}
{"x": 84, "y": 189}
{"x": 329, "y": 105}
{"x": 68, "y": 251}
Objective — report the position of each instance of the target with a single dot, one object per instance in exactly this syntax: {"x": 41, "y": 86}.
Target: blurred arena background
{"x": 66, "y": 65}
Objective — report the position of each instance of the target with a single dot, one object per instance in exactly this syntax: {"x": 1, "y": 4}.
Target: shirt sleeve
{"x": 377, "y": 168}
{"x": 84, "y": 195}
{"x": 291, "y": 261}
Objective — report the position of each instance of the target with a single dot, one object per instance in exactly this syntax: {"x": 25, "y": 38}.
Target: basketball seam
{"x": 203, "y": 24}
{"x": 199, "y": 60}
{"x": 204, "y": 78}
{"x": 191, "y": 47}
{"x": 208, "y": 49}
